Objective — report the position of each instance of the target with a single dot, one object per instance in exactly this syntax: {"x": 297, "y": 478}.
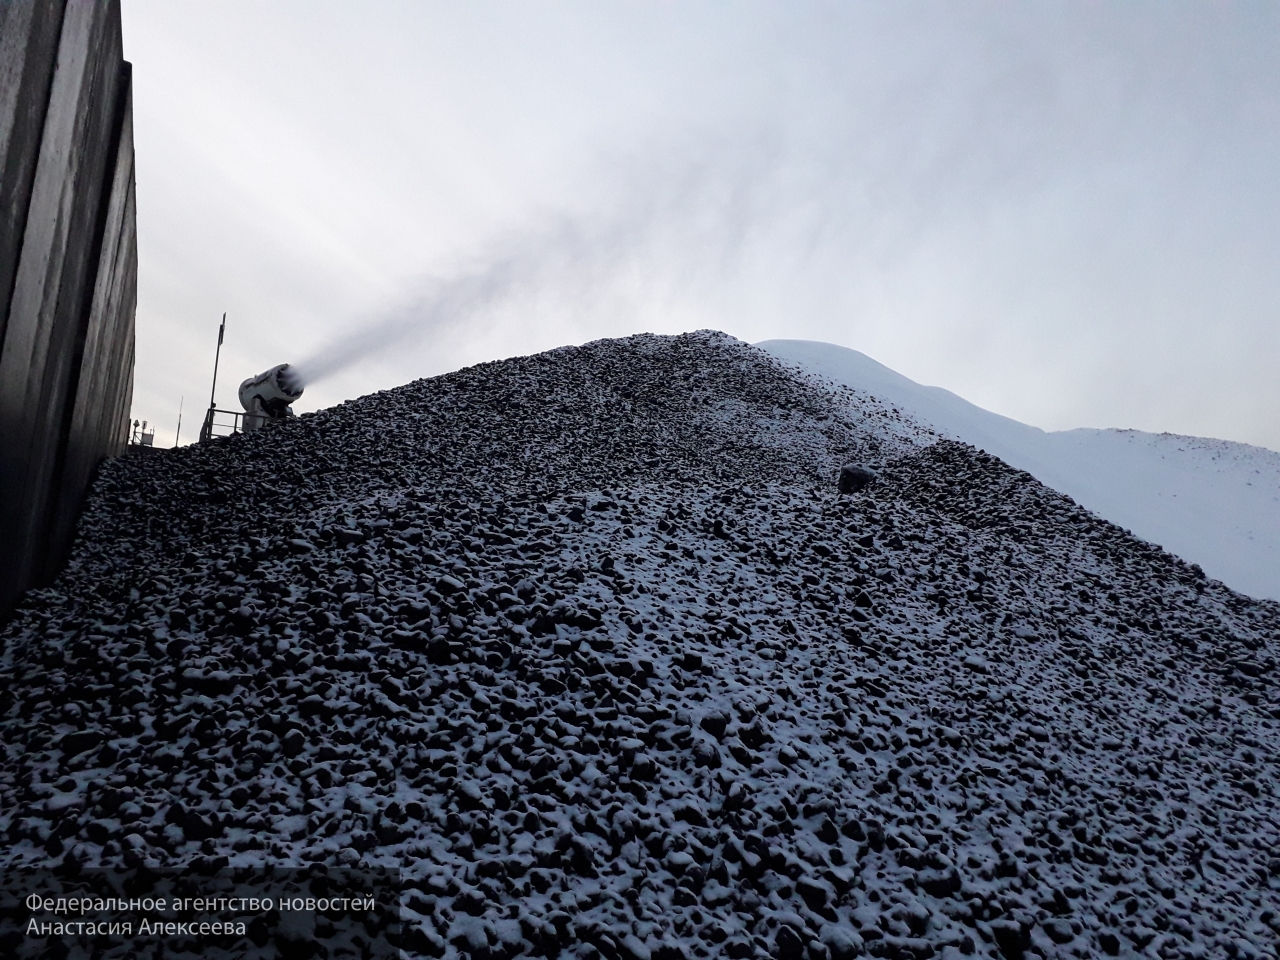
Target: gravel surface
{"x": 591, "y": 645}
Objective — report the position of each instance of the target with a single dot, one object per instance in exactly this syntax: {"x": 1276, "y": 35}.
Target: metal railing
{"x": 224, "y": 423}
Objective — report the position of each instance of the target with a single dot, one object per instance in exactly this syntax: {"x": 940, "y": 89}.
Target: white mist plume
{"x": 793, "y": 217}
{"x": 777, "y": 222}
{"x": 671, "y": 234}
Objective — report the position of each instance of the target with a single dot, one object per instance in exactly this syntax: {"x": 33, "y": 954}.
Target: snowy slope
{"x": 1212, "y": 502}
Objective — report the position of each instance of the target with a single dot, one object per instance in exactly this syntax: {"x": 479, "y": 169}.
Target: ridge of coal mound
{"x": 589, "y": 643}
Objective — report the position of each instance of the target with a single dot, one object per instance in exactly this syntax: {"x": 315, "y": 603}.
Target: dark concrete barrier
{"x": 28, "y": 50}
{"x": 68, "y": 265}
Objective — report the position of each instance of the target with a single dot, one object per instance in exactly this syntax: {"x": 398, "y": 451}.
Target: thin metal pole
{"x": 207, "y": 430}
{"x": 178, "y": 436}
{"x": 217, "y": 355}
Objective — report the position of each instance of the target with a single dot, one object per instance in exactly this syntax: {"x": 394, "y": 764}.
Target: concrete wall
{"x": 68, "y": 265}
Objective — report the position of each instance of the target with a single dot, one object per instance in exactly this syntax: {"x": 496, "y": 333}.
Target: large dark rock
{"x": 854, "y": 476}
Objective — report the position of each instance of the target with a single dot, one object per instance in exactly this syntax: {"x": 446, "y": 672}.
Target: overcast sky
{"x": 1066, "y": 213}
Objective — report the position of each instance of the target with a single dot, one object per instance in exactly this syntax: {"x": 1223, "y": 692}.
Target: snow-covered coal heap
{"x": 590, "y": 643}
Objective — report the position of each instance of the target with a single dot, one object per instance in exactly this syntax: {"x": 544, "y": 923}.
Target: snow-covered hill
{"x": 1212, "y": 502}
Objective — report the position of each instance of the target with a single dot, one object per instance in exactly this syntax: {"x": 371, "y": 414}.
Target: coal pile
{"x": 593, "y": 647}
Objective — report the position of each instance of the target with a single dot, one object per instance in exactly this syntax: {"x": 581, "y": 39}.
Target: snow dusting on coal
{"x": 591, "y": 646}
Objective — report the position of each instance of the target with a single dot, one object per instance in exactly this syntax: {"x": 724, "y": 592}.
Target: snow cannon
{"x": 267, "y": 397}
